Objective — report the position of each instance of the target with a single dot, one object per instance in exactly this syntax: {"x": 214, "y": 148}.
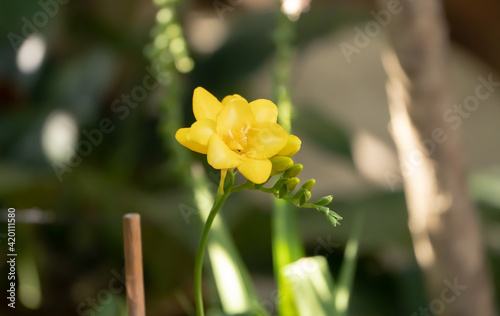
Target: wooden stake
{"x": 133, "y": 264}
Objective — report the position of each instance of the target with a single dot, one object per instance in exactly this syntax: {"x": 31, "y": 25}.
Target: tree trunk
{"x": 442, "y": 218}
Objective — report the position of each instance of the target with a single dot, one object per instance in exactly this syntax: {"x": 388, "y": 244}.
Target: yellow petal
{"x": 256, "y": 170}
{"x": 234, "y": 117}
{"x": 292, "y": 146}
{"x": 229, "y": 98}
{"x": 265, "y": 140}
{"x": 182, "y": 137}
{"x": 220, "y": 156}
{"x": 201, "y": 131}
{"x": 264, "y": 110}
{"x": 205, "y": 105}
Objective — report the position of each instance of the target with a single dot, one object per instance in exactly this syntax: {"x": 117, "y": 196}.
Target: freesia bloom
{"x": 237, "y": 134}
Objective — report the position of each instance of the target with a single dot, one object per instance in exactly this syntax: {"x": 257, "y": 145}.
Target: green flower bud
{"x": 280, "y": 164}
{"x": 331, "y": 216}
{"x": 309, "y": 184}
{"x": 292, "y": 183}
{"x": 334, "y": 215}
{"x": 293, "y": 171}
{"x": 301, "y": 197}
{"x": 285, "y": 186}
{"x": 333, "y": 221}
{"x": 323, "y": 209}
{"x": 324, "y": 200}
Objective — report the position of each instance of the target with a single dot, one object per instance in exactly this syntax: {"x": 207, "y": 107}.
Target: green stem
{"x": 240, "y": 187}
{"x": 198, "y": 266}
{"x": 267, "y": 190}
{"x": 223, "y": 174}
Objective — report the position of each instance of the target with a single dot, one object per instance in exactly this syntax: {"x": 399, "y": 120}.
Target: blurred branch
{"x": 442, "y": 218}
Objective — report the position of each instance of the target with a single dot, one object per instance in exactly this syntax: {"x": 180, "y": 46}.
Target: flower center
{"x": 236, "y": 140}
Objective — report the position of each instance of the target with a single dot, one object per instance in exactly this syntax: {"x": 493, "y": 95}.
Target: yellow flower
{"x": 237, "y": 134}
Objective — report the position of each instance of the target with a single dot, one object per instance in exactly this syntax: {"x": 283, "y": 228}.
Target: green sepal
{"x": 282, "y": 191}
{"x": 304, "y": 197}
{"x": 277, "y": 186}
{"x": 229, "y": 181}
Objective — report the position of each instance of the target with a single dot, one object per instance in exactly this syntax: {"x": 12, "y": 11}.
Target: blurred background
{"x": 77, "y": 76}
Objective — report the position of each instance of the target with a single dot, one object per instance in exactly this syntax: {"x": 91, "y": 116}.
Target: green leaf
{"x": 312, "y": 286}
{"x": 348, "y": 268}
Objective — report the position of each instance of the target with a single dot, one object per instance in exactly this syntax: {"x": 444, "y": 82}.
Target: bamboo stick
{"x": 133, "y": 264}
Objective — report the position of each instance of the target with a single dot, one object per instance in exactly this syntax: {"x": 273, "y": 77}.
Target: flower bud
{"x": 334, "y": 215}
{"x": 301, "y": 197}
{"x": 333, "y": 221}
{"x": 292, "y": 183}
{"x": 280, "y": 164}
{"x": 309, "y": 184}
{"x": 324, "y": 200}
{"x": 292, "y": 146}
{"x": 323, "y": 209}
{"x": 293, "y": 171}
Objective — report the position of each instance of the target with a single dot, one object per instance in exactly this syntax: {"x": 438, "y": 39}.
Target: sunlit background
{"x": 84, "y": 139}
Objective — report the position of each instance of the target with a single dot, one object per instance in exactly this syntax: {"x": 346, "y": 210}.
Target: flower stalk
{"x": 220, "y": 199}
